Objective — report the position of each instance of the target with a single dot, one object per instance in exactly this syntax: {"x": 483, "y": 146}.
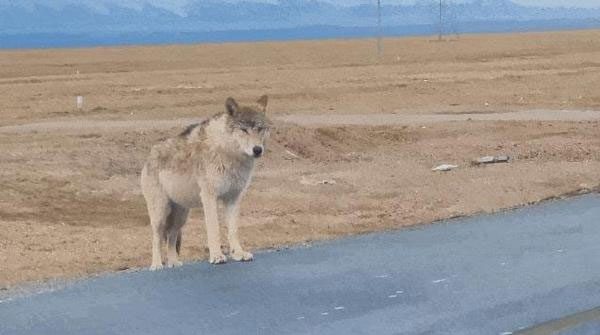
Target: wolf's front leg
{"x": 211, "y": 220}
{"x": 232, "y": 211}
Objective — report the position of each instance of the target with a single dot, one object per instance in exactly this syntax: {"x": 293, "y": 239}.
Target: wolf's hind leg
{"x": 159, "y": 208}
{"x": 175, "y": 223}
{"x": 158, "y": 216}
{"x": 178, "y": 243}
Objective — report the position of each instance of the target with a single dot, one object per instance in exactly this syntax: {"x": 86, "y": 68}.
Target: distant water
{"x": 66, "y": 40}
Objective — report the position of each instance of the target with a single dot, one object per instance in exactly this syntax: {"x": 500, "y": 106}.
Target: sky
{"x": 563, "y": 3}
{"x": 549, "y": 3}
{"x": 179, "y": 6}
{"x": 537, "y": 3}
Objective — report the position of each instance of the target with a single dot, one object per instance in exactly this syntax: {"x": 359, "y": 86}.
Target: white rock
{"x": 444, "y": 167}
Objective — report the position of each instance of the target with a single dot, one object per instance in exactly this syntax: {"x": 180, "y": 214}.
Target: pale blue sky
{"x": 180, "y": 3}
{"x": 550, "y": 3}
{"x": 178, "y": 6}
{"x": 564, "y": 3}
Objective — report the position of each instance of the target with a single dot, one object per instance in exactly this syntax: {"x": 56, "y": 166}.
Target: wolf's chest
{"x": 230, "y": 180}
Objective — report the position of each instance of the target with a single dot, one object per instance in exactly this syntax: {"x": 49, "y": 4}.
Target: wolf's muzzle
{"x": 257, "y": 151}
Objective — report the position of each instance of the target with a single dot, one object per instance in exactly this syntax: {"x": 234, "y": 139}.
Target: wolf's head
{"x": 249, "y": 125}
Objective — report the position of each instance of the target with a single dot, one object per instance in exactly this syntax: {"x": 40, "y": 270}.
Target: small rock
{"x": 444, "y": 167}
{"x": 291, "y": 154}
{"x": 492, "y": 159}
{"x": 306, "y": 181}
{"x": 485, "y": 159}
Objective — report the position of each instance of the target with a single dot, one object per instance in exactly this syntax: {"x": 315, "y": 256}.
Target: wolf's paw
{"x": 156, "y": 267}
{"x": 218, "y": 259}
{"x": 242, "y": 256}
{"x": 174, "y": 264}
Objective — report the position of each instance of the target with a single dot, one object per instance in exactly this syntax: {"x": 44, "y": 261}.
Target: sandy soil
{"x": 70, "y": 203}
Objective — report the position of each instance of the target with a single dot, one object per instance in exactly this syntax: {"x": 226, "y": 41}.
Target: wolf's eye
{"x": 245, "y": 130}
{"x": 260, "y": 129}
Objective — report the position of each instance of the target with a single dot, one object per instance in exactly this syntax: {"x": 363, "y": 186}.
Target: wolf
{"x": 207, "y": 163}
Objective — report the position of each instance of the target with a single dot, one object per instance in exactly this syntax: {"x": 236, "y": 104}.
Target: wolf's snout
{"x": 257, "y": 151}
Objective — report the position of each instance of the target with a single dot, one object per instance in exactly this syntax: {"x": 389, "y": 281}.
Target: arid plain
{"x": 70, "y": 201}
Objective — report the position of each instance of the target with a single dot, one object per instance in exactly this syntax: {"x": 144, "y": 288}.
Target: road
{"x": 308, "y": 120}
{"x": 512, "y": 272}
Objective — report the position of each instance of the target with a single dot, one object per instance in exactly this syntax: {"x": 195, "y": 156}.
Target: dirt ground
{"x": 70, "y": 203}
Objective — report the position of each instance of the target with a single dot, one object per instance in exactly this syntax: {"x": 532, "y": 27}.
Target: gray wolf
{"x": 208, "y": 162}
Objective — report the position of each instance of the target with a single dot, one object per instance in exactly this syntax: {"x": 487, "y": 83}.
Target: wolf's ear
{"x": 231, "y": 106}
{"x": 262, "y": 103}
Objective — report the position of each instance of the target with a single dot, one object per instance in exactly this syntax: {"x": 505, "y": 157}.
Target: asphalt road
{"x": 492, "y": 274}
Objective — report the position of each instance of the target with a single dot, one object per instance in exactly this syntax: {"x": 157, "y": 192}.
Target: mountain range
{"x": 206, "y": 15}
{"x": 56, "y": 23}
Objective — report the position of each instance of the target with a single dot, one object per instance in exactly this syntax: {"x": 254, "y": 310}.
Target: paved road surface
{"x": 485, "y": 275}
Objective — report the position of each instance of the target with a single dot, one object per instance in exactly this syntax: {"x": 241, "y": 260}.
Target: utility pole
{"x": 379, "y": 32}
{"x": 440, "y": 27}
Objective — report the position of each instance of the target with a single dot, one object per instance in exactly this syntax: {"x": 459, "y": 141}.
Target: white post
{"x": 79, "y": 102}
